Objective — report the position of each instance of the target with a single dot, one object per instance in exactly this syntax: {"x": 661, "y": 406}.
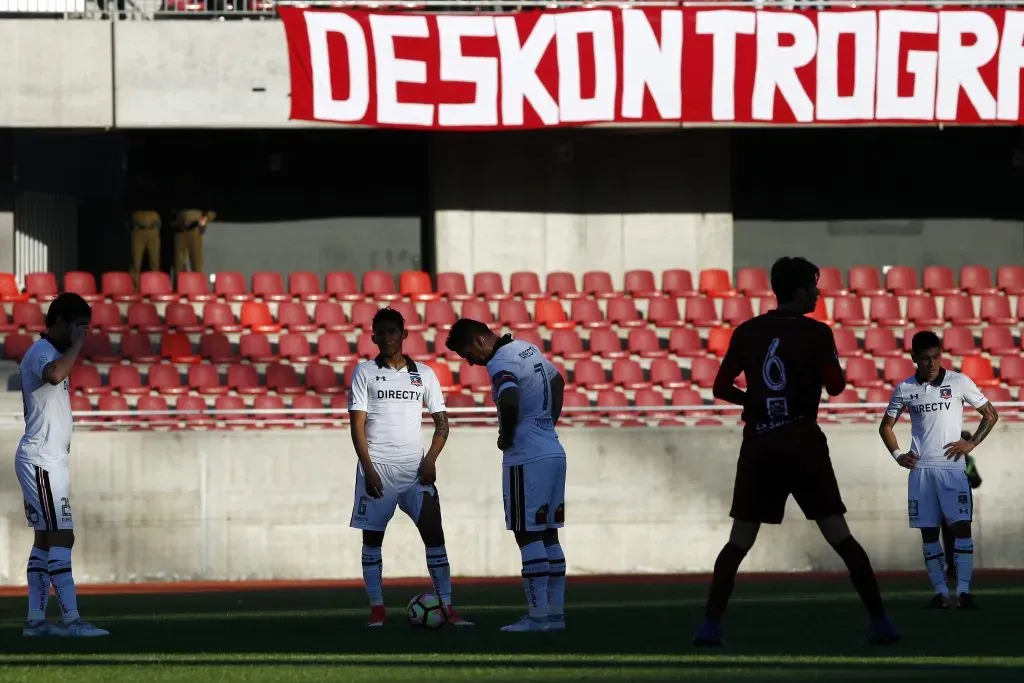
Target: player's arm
{"x": 832, "y": 373}
{"x": 725, "y": 387}
{"x": 357, "y": 405}
{"x": 506, "y": 387}
{"x": 989, "y": 416}
{"x": 557, "y": 390}
{"x": 433, "y": 399}
{"x": 888, "y": 434}
{"x": 56, "y": 370}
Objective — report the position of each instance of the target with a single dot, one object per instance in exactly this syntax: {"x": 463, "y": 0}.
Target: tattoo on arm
{"x": 989, "y": 417}
{"x": 441, "y": 424}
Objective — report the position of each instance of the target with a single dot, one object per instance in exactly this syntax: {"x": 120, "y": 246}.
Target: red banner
{"x": 655, "y": 65}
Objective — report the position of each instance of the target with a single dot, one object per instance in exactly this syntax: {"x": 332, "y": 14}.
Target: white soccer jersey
{"x": 936, "y": 414}
{"x": 393, "y": 401}
{"x": 522, "y": 365}
{"x": 48, "y": 423}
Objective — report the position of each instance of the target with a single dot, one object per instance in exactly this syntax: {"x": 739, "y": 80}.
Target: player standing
{"x": 948, "y": 539}
{"x": 41, "y": 463}
{"x": 528, "y": 391}
{"x": 786, "y": 357}
{"x": 386, "y": 406}
{"x": 938, "y": 487}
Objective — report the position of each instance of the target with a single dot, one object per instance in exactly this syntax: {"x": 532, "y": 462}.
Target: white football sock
{"x": 440, "y": 573}
{"x": 935, "y": 563}
{"x": 963, "y": 555}
{"x": 59, "y": 567}
{"x": 38, "y": 584}
{"x": 535, "y": 578}
{"x": 373, "y": 575}
{"x": 556, "y": 580}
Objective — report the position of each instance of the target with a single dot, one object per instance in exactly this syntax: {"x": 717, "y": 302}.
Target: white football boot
{"x": 78, "y": 629}
{"x": 527, "y": 624}
{"x": 556, "y": 622}
{"x": 36, "y": 629}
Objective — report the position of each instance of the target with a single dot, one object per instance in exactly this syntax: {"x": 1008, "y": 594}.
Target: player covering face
{"x": 786, "y": 357}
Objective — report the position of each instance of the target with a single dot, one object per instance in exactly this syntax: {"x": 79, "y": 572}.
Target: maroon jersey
{"x": 786, "y": 359}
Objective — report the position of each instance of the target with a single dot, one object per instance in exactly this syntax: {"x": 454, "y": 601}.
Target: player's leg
{"x": 925, "y": 514}
{"x": 957, "y": 503}
{"x": 948, "y": 541}
{"x": 934, "y": 563}
{"x": 556, "y": 556}
{"x": 371, "y": 516}
{"x": 527, "y": 519}
{"x": 36, "y": 573}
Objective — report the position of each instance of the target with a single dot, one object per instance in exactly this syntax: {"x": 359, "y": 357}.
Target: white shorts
{"x": 47, "y": 496}
{"x": 534, "y": 495}
{"x": 935, "y": 494}
{"x": 402, "y": 488}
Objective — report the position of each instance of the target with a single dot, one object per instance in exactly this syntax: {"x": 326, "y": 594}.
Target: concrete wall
{"x": 236, "y": 505}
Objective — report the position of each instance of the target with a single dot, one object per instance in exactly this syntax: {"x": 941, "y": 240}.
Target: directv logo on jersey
{"x": 945, "y": 392}
{"x": 399, "y": 395}
{"x": 928, "y": 408}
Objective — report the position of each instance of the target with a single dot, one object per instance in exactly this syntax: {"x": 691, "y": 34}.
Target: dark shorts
{"x": 790, "y": 460}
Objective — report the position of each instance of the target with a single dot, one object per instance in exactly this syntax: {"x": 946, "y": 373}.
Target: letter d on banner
{"x": 325, "y": 107}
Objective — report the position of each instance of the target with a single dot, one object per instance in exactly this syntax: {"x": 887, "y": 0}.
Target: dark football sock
{"x": 726, "y": 566}
{"x": 862, "y": 575}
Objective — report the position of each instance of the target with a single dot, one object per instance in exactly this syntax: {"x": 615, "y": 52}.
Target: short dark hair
{"x": 388, "y": 315}
{"x": 68, "y": 307}
{"x": 462, "y": 333}
{"x": 925, "y": 340}
{"x": 791, "y": 273}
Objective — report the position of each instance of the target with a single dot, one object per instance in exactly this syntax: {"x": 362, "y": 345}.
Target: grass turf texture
{"x": 786, "y": 630}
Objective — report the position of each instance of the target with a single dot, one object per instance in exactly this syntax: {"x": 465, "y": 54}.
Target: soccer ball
{"x": 426, "y": 610}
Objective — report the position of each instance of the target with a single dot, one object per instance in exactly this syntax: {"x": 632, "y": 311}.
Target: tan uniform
{"x": 189, "y": 226}
{"x": 145, "y": 241}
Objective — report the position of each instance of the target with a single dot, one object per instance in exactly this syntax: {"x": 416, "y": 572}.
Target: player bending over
{"x": 41, "y": 463}
{"x": 938, "y": 488}
{"x": 386, "y": 406}
{"x": 786, "y": 358}
{"x": 528, "y": 392}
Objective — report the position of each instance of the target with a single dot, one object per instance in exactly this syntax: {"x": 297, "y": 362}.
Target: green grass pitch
{"x": 809, "y": 629}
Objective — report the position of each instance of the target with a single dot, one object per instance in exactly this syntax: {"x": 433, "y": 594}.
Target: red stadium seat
{"x": 41, "y": 286}
{"x": 525, "y": 284}
{"x": 295, "y": 347}
{"x": 176, "y": 347}
{"x": 342, "y": 285}
{"x": 701, "y": 312}
{"x": 28, "y": 315}
{"x": 242, "y": 379}
{"x": 590, "y": 375}
{"x": 269, "y": 286}
{"x": 205, "y": 379}
{"x": 255, "y": 346}
{"x": 753, "y": 282}
{"x": 305, "y": 286}
{"x": 639, "y": 284}
{"x": 218, "y": 316}
{"x": 182, "y": 317}
{"x": 644, "y": 342}
{"x": 444, "y": 376}
{"x": 144, "y": 318}
{"x": 663, "y": 312}
{"x": 718, "y": 340}
{"x": 138, "y": 348}
{"x": 379, "y": 285}
{"x": 107, "y": 317}
{"x": 194, "y": 287}
{"x": 1011, "y": 370}
{"x": 86, "y": 379}
{"x": 549, "y": 312}
{"x": 283, "y": 379}
{"x": 512, "y": 313}
{"x": 575, "y": 398}
{"x": 155, "y": 286}
{"x": 16, "y": 345}
{"x": 877, "y": 395}
{"x": 820, "y": 312}
{"x": 587, "y": 313}
{"x": 598, "y": 283}
{"x": 416, "y": 285}
{"x": 703, "y": 372}
{"x": 922, "y": 311}
{"x": 119, "y": 286}
{"x": 1010, "y": 279}
{"x": 847, "y": 396}
{"x": 770, "y": 303}
{"x": 880, "y": 342}
{"x": 902, "y": 281}
{"x": 848, "y": 310}
{"x": 979, "y": 368}
{"x": 81, "y": 283}
{"x": 410, "y": 315}
{"x": 998, "y": 340}
{"x": 908, "y": 337}
{"x": 416, "y": 347}
{"x": 98, "y": 347}
{"x": 452, "y": 286}
{"x": 737, "y": 310}
{"x": 567, "y": 344}
{"x": 125, "y": 379}
{"x": 150, "y": 408}
{"x": 215, "y": 347}
{"x": 231, "y": 286}
{"x": 322, "y": 379}
{"x": 474, "y": 377}
{"x": 939, "y": 281}
{"x": 677, "y": 282}
{"x": 9, "y": 290}
{"x": 667, "y": 373}
{"x": 5, "y": 324}
{"x": 530, "y": 336}
{"x": 862, "y": 373}
{"x": 865, "y": 281}
{"x": 830, "y": 282}
{"x": 440, "y": 314}
{"x": 846, "y": 341}
{"x": 362, "y": 314}
{"x": 292, "y": 316}
{"x": 267, "y": 403}
{"x": 193, "y": 409}
{"x": 685, "y": 342}
{"x": 607, "y": 344}
{"x": 896, "y": 370}
{"x": 478, "y": 310}
{"x": 959, "y": 341}
{"x": 113, "y": 403}
{"x": 489, "y": 285}
{"x": 561, "y": 285}
{"x": 80, "y": 404}
{"x": 330, "y": 316}
{"x": 715, "y": 282}
{"x": 998, "y": 395}
{"x": 995, "y": 310}
{"x": 611, "y": 399}
{"x": 959, "y": 310}
{"x": 334, "y": 347}
{"x": 628, "y": 373}
{"x": 460, "y": 400}
{"x": 885, "y": 311}
{"x": 165, "y": 379}
{"x": 976, "y": 280}
{"x": 687, "y": 397}
{"x": 256, "y": 316}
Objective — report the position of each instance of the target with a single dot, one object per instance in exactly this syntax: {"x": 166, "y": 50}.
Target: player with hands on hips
{"x": 938, "y": 488}
{"x": 386, "y": 404}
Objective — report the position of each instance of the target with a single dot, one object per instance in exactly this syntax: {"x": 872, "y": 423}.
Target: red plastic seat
{"x": 530, "y": 336}
{"x": 663, "y": 312}
{"x": 459, "y": 399}
{"x": 701, "y": 312}
{"x": 976, "y": 280}
{"x": 478, "y": 310}
{"x": 256, "y": 316}
{"x": 231, "y": 286}
{"x": 334, "y": 347}
{"x": 216, "y": 348}
{"x": 5, "y": 324}
{"x": 193, "y": 412}
{"x": 549, "y": 312}
{"x": 16, "y": 345}
{"x": 574, "y": 398}
{"x": 512, "y": 313}
{"x": 165, "y": 379}
{"x": 753, "y": 282}
{"x": 255, "y": 346}
{"x": 125, "y": 379}
{"x": 567, "y": 344}
{"x": 416, "y": 347}
{"x": 684, "y": 341}
{"x": 908, "y": 337}
{"x": 896, "y": 370}
{"x": 1011, "y": 371}
{"x": 820, "y": 312}
{"x": 283, "y": 379}
{"x": 365, "y": 346}
{"x": 1010, "y": 279}
{"x": 848, "y": 310}
{"x": 598, "y": 283}
{"x": 830, "y": 282}
{"x": 98, "y": 347}
{"x": 342, "y": 285}
{"x": 119, "y": 286}
{"x": 525, "y": 284}
{"x": 269, "y": 286}
{"x": 998, "y": 394}
{"x": 194, "y": 287}
{"x": 204, "y": 378}
{"x": 156, "y": 286}
{"x": 939, "y": 281}
{"x": 416, "y": 285}
{"x": 176, "y": 347}
{"x": 379, "y": 285}
{"x": 137, "y": 347}
{"x": 686, "y": 397}
{"x": 292, "y": 316}
{"x": 590, "y": 375}
{"x": 113, "y": 403}
{"x": 979, "y": 368}
{"x": 439, "y": 314}
{"x": 639, "y": 284}
{"x": 295, "y": 347}
{"x": 770, "y": 303}
{"x": 218, "y": 316}
{"x": 846, "y": 341}
{"x": 959, "y": 310}
{"x": 265, "y": 404}
{"x": 718, "y": 340}
{"x": 86, "y": 379}
{"x": 885, "y": 311}
{"x": 445, "y": 376}
{"x": 847, "y": 396}
{"x": 737, "y": 310}
{"x": 877, "y": 395}
{"x": 362, "y": 314}
{"x": 667, "y": 373}
{"x": 606, "y": 343}
{"x": 879, "y": 341}
{"x": 959, "y": 341}
{"x": 865, "y": 281}
{"x": 80, "y": 404}
{"x": 611, "y": 399}
{"x": 330, "y": 316}
{"x": 921, "y": 310}
{"x": 150, "y": 409}
{"x": 562, "y": 285}
{"x": 703, "y": 371}
{"x": 144, "y": 318}
{"x": 107, "y": 317}
{"x": 902, "y": 281}
{"x": 489, "y": 285}
{"x": 322, "y": 379}
{"x": 182, "y": 317}
{"x": 410, "y": 315}
{"x": 81, "y": 283}
{"x": 242, "y": 379}
{"x": 862, "y": 373}
{"x": 622, "y": 312}
{"x": 716, "y": 283}
{"x": 677, "y": 282}
{"x": 995, "y": 310}
{"x": 587, "y": 313}
{"x": 452, "y": 286}
{"x": 9, "y": 290}
{"x": 305, "y": 286}
{"x": 474, "y": 377}
{"x": 644, "y": 342}
{"x": 998, "y": 340}
{"x": 41, "y": 286}
{"x": 28, "y": 316}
